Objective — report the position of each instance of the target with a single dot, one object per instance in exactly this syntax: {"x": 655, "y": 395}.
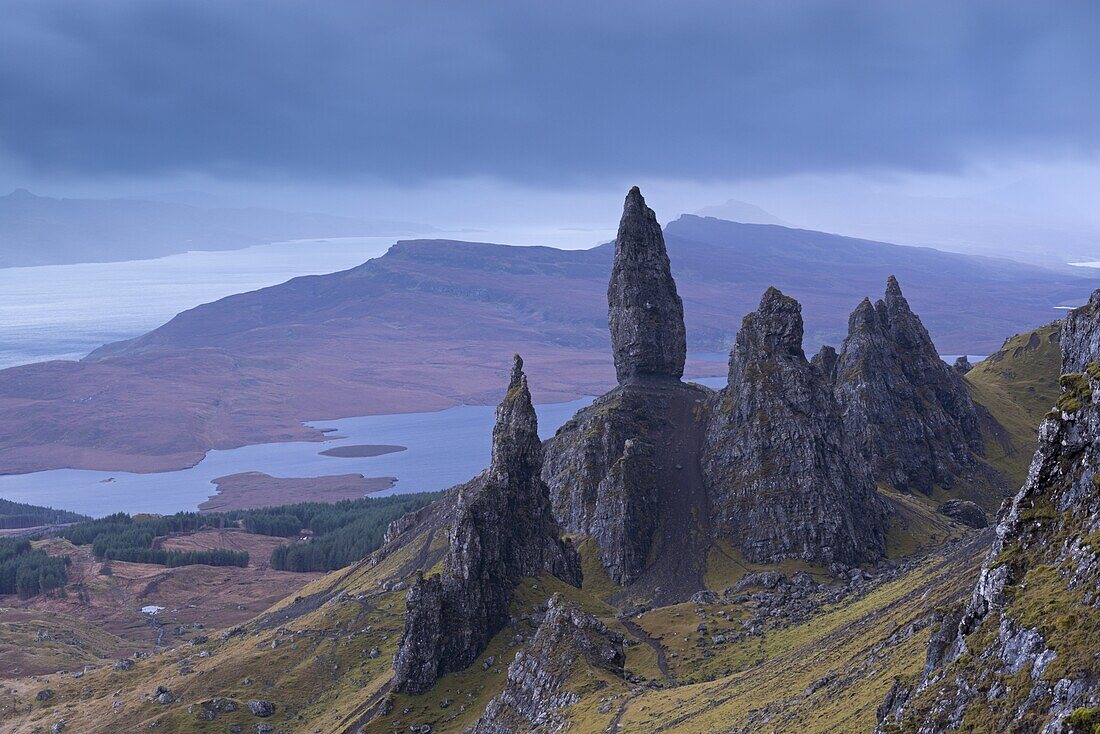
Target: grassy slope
{"x": 828, "y": 674}
{"x": 1018, "y": 385}
{"x": 312, "y": 659}
{"x": 849, "y": 654}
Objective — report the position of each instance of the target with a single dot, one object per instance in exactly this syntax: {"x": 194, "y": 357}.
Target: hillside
{"x": 40, "y": 230}
{"x": 674, "y": 559}
{"x": 1017, "y": 386}
{"x": 426, "y": 326}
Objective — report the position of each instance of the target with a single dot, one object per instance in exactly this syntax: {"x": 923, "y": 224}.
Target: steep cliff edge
{"x": 502, "y": 530}
{"x": 783, "y": 480}
{"x": 907, "y": 411}
{"x": 1022, "y": 656}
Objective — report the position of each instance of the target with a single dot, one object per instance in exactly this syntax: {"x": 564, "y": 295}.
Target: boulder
{"x": 968, "y": 513}
{"x": 263, "y": 709}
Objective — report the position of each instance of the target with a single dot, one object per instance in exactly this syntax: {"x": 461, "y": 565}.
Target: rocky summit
{"x": 1021, "y": 655}
{"x": 905, "y": 409}
{"x": 645, "y": 312}
{"x": 783, "y": 480}
{"x": 502, "y": 530}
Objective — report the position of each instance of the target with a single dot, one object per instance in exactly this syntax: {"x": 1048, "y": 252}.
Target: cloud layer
{"x": 541, "y": 92}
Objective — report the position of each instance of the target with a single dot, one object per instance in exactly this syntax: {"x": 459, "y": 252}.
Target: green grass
{"x": 1017, "y": 385}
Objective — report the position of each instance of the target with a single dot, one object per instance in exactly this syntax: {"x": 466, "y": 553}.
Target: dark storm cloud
{"x": 540, "y": 91}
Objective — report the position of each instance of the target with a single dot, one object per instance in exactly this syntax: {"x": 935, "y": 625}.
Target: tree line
{"x": 14, "y": 515}
{"x": 338, "y": 533}
{"x": 29, "y": 572}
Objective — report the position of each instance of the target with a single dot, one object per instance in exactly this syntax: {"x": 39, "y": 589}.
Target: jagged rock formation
{"x": 502, "y": 530}
{"x": 539, "y": 679}
{"x": 783, "y": 483}
{"x": 962, "y": 365}
{"x": 909, "y": 414}
{"x": 1022, "y": 656}
{"x": 645, "y": 313}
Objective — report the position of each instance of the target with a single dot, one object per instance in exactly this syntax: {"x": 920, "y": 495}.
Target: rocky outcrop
{"x": 1022, "y": 656}
{"x": 962, "y": 364}
{"x": 503, "y": 529}
{"x": 625, "y": 470}
{"x": 645, "y": 313}
{"x": 968, "y": 513}
{"x": 908, "y": 412}
{"x": 539, "y": 687}
{"x": 625, "y": 465}
{"x": 783, "y": 483}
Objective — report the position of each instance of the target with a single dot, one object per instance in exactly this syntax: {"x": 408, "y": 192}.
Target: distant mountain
{"x": 428, "y": 325}
{"x": 39, "y": 230}
{"x": 735, "y": 210}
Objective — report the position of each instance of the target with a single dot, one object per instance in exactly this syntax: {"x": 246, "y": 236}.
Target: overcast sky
{"x": 463, "y": 113}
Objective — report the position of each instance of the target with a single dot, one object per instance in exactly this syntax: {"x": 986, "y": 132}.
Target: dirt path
{"x": 362, "y": 714}
{"x": 613, "y": 727}
{"x": 642, "y": 636}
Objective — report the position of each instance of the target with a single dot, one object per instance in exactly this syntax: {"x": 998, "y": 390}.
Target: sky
{"x": 973, "y": 124}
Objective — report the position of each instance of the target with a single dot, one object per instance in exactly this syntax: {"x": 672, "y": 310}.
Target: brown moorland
{"x": 99, "y": 617}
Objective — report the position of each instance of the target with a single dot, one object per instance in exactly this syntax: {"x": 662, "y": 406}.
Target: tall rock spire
{"x": 516, "y": 443}
{"x": 503, "y": 530}
{"x": 645, "y": 313}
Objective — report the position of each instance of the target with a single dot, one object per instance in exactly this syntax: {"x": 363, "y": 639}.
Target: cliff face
{"x": 1022, "y": 655}
{"x": 503, "y": 530}
{"x": 908, "y": 412}
{"x": 645, "y": 313}
{"x": 627, "y": 466}
{"x": 571, "y": 649}
{"x": 783, "y": 482}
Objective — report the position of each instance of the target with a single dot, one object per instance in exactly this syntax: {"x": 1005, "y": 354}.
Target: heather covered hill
{"x": 428, "y": 325}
